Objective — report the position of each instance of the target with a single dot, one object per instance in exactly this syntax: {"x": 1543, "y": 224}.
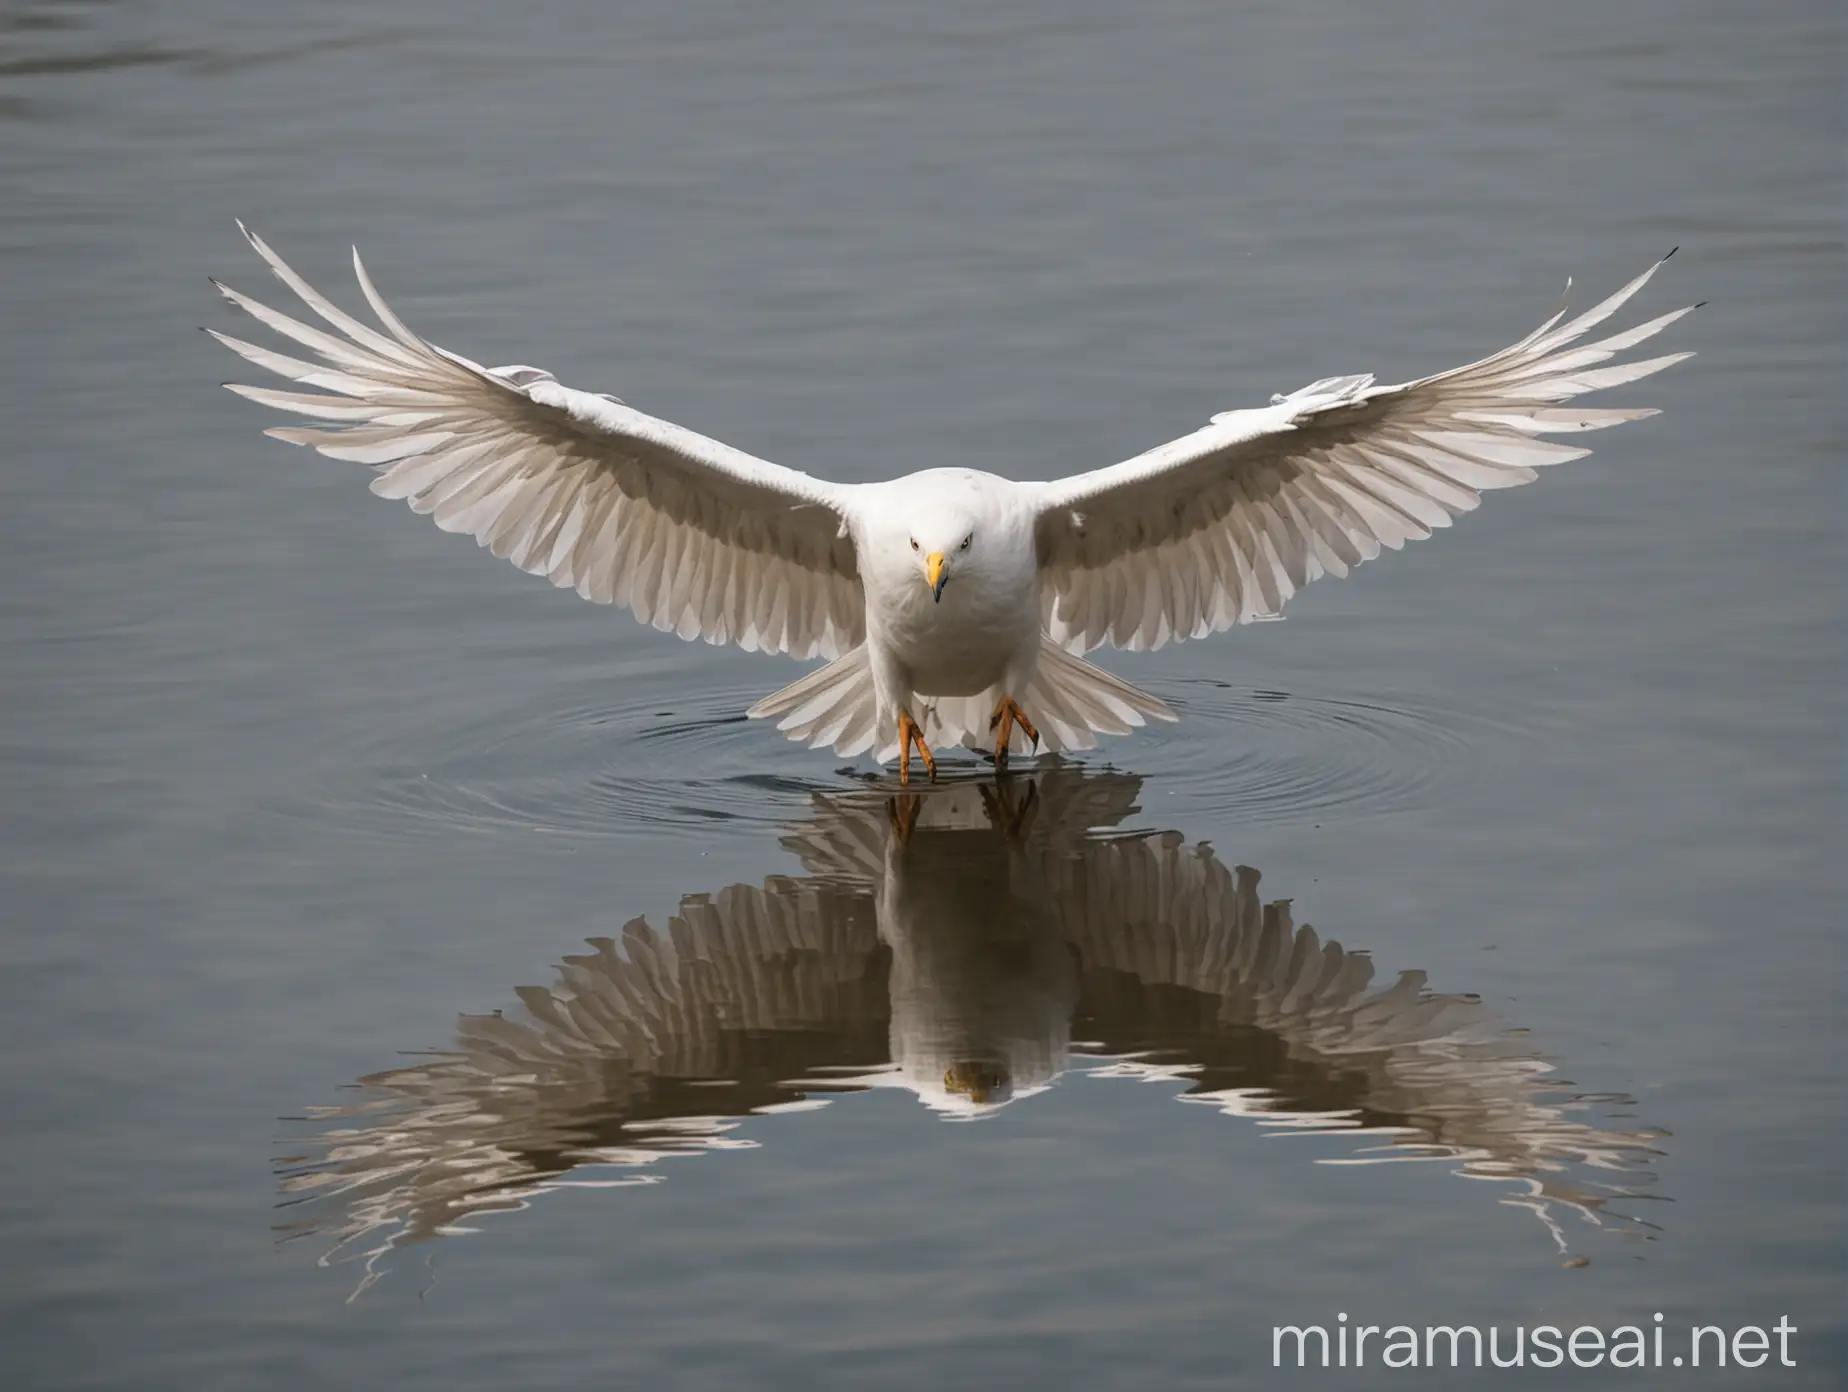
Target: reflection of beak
{"x": 934, "y": 575}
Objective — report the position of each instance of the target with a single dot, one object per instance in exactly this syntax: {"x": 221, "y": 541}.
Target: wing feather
{"x": 695, "y": 537}
{"x": 1224, "y": 525}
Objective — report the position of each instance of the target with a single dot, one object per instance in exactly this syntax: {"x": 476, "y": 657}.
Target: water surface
{"x": 299, "y": 791}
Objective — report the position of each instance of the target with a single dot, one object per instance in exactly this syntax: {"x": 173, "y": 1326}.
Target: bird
{"x": 972, "y": 951}
{"x": 953, "y": 606}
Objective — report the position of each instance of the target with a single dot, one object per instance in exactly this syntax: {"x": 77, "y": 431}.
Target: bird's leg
{"x": 1002, "y": 722}
{"x": 1007, "y": 715}
{"x": 909, "y": 730}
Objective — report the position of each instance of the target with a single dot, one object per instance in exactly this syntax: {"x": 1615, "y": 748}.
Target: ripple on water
{"x": 612, "y": 768}
{"x": 1267, "y": 755}
{"x": 597, "y": 770}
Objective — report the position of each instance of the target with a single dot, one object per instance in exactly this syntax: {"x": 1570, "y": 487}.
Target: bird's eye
{"x": 914, "y": 543}
{"x": 967, "y": 540}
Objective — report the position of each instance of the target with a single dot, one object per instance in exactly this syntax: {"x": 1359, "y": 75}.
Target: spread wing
{"x": 1222, "y": 526}
{"x": 691, "y": 535}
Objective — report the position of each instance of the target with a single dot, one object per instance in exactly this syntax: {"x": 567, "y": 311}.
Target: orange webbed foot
{"x": 908, "y": 731}
{"x": 1007, "y": 715}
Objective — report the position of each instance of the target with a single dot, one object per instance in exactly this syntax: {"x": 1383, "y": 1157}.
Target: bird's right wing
{"x": 693, "y": 536}
{"x": 1222, "y": 526}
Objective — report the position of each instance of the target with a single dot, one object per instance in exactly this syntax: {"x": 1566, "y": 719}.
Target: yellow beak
{"x": 933, "y": 574}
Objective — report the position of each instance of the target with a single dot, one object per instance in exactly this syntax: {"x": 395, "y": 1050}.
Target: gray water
{"x": 298, "y": 789}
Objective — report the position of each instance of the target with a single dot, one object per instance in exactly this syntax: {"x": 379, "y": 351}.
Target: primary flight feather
{"x": 953, "y": 605}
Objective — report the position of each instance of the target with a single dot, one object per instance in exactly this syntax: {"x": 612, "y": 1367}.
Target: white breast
{"x": 962, "y": 644}
{"x": 987, "y": 620}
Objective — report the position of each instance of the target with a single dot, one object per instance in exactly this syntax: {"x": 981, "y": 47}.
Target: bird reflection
{"x": 969, "y": 944}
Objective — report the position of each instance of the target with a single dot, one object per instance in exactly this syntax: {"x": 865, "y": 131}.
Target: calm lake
{"x": 417, "y": 978}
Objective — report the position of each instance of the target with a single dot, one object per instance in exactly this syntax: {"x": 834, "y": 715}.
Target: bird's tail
{"x": 1069, "y": 700}
{"x": 833, "y": 705}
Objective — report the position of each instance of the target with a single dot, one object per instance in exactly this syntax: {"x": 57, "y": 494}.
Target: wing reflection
{"x": 969, "y": 944}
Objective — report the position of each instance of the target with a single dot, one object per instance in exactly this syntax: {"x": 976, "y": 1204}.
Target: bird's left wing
{"x": 693, "y": 536}
{"x": 1222, "y": 526}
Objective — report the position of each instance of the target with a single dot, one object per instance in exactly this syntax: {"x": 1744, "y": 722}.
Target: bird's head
{"x": 938, "y": 547}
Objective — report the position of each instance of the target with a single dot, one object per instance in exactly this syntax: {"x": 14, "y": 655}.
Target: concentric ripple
{"x": 612, "y": 768}
{"x": 1268, "y": 755}
{"x": 585, "y": 770}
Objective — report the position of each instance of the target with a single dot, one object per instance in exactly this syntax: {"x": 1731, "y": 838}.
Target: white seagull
{"x": 953, "y": 606}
